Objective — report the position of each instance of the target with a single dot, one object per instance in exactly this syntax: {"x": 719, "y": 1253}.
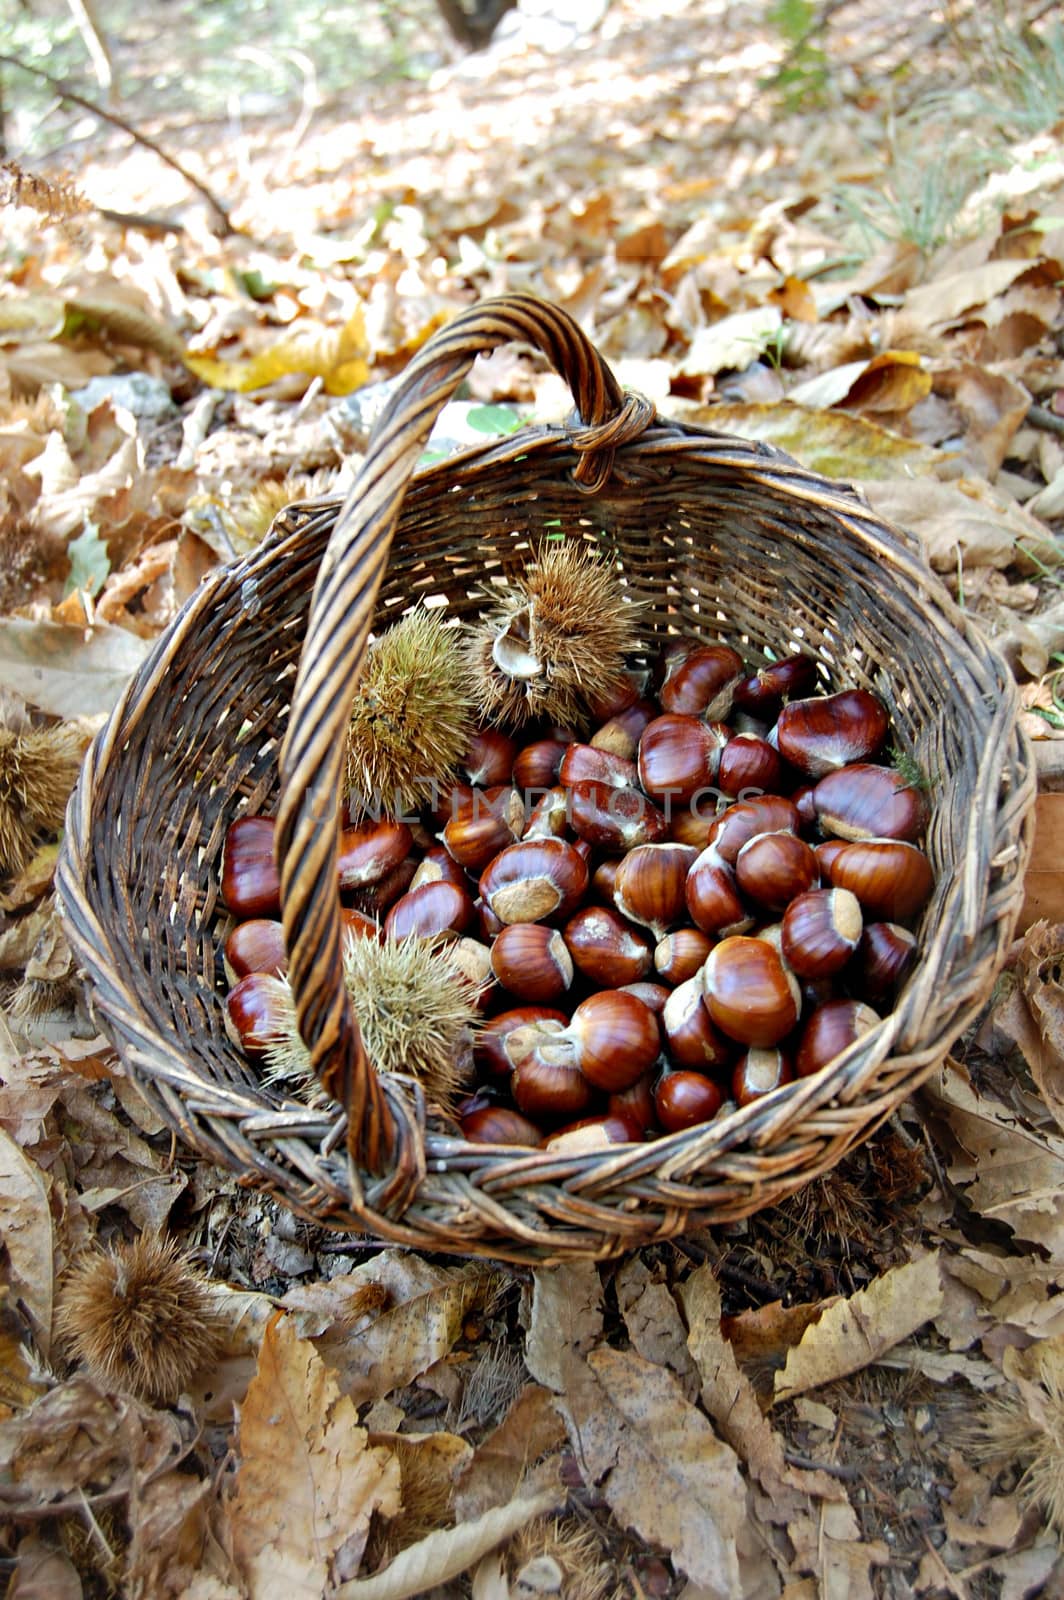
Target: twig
{"x": 834, "y": 1469}
{"x": 1041, "y": 417}
{"x": 66, "y": 93}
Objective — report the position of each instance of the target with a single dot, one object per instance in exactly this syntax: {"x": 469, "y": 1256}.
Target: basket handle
{"x": 383, "y": 1136}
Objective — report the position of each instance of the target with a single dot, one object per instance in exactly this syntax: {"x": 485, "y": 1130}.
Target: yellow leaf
{"x": 333, "y": 354}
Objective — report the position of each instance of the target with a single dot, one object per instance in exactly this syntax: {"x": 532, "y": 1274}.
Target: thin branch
{"x": 225, "y": 226}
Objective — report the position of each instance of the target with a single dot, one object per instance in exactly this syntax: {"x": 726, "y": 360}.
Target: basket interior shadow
{"x": 721, "y": 539}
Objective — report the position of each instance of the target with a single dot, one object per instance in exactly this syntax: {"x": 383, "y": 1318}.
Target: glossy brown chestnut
{"x": 357, "y": 925}
{"x": 500, "y": 1125}
{"x": 534, "y": 879}
{"x": 758, "y": 1072}
{"x": 650, "y": 886}
{"x": 679, "y": 756}
{"x": 616, "y": 1039}
{"x": 750, "y": 994}
{"x": 865, "y": 801}
{"x": 623, "y": 692}
{"x": 487, "y": 924}
{"x": 741, "y": 822}
{"x": 891, "y": 879}
{"x": 436, "y": 864}
{"x": 831, "y": 1028}
{"x": 251, "y": 886}
{"x": 614, "y": 819}
{"x": 830, "y": 731}
{"x": 772, "y": 868}
{"x": 802, "y": 800}
{"x": 545, "y": 1083}
{"x": 694, "y": 824}
{"x": 485, "y": 823}
{"x": 473, "y": 961}
{"x": 374, "y": 899}
{"x": 635, "y": 1104}
{"x": 714, "y": 903}
{"x": 603, "y": 879}
{"x": 490, "y": 1050}
{"x": 582, "y": 763}
{"x": 691, "y": 1038}
{"x": 702, "y": 682}
{"x": 549, "y": 817}
{"x": 763, "y": 693}
{"x": 255, "y": 946}
{"x": 653, "y": 995}
{"x": 536, "y": 766}
{"x": 490, "y": 758}
{"x": 255, "y": 1011}
{"x": 532, "y": 962}
{"x": 685, "y": 1100}
{"x": 621, "y": 734}
{"x": 605, "y": 948}
{"x": 427, "y": 912}
{"x": 370, "y": 851}
{"x": 883, "y": 959}
{"x": 680, "y": 955}
{"x": 825, "y": 853}
{"x": 748, "y": 763}
{"x": 821, "y": 930}
{"x": 594, "y": 1133}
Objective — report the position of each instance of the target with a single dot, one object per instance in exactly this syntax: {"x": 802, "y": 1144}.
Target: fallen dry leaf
{"x": 308, "y": 1480}
{"x": 66, "y": 670}
{"x": 857, "y": 1330}
{"x": 658, "y": 1462}
{"x": 26, "y": 1235}
{"x": 565, "y": 1316}
{"x": 532, "y": 1428}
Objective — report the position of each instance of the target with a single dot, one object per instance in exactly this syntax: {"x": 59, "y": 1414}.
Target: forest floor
{"x": 848, "y": 244}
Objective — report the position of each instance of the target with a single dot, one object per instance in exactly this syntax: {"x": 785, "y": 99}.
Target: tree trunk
{"x": 474, "y": 28}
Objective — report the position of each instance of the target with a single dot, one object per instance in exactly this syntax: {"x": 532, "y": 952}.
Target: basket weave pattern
{"x": 721, "y": 539}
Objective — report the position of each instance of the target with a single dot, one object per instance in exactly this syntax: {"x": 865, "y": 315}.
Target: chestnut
{"x": 532, "y": 961}
{"x": 536, "y": 766}
{"x": 473, "y": 961}
{"x": 691, "y": 1038}
{"x": 748, "y": 762}
{"x": 255, "y": 1010}
{"x": 712, "y": 895}
{"x": 635, "y": 1104}
{"x": 603, "y": 880}
{"x": 255, "y": 946}
{"x": 606, "y": 949}
{"x": 762, "y": 693}
{"x": 891, "y": 879}
{"x": 686, "y": 1099}
{"x": 437, "y": 863}
{"x": 831, "y": 1028}
{"x": 614, "y": 819}
{"x": 499, "y": 1125}
{"x": 743, "y": 821}
{"x": 374, "y": 898}
{"x": 650, "y": 885}
{"x": 694, "y": 824}
{"x": 864, "y": 801}
{"x": 679, "y": 955}
{"x": 549, "y": 817}
{"x": 830, "y": 731}
{"x": 427, "y": 912}
{"x": 623, "y": 692}
{"x": 490, "y": 758}
{"x": 821, "y": 930}
{"x": 884, "y": 956}
{"x": 594, "y": 1133}
{"x": 758, "y": 1072}
{"x": 621, "y": 734}
{"x": 825, "y": 853}
{"x": 251, "y": 886}
{"x": 534, "y": 879}
{"x": 546, "y": 1083}
{"x": 616, "y": 1039}
{"x": 490, "y": 1050}
{"x": 702, "y": 681}
{"x": 772, "y": 868}
{"x": 653, "y": 995}
{"x": 750, "y": 994}
{"x": 803, "y": 802}
{"x": 679, "y": 756}
{"x": 369, "y": 852}
{"x": 483, "y": 824}
{"x": 582, "y": 763}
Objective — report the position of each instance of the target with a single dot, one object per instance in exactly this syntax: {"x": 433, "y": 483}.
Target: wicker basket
{"x": 724, "y": 539}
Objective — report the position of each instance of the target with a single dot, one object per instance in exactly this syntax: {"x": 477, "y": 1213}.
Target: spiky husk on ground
{"x": 38, "y": 769}
{"x": 140, "y": 1317}
{"x": 412, "y": 716}
{"x": 427, "y": 1504}
{"x": 568, "y": 616}
{"x": 562, "y": 1557}
{"x": 1027, "y": 1427}
{"x": 415, "y": 1008}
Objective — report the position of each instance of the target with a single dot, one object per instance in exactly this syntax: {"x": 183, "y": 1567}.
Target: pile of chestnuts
{"x": 712, "y": 895}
